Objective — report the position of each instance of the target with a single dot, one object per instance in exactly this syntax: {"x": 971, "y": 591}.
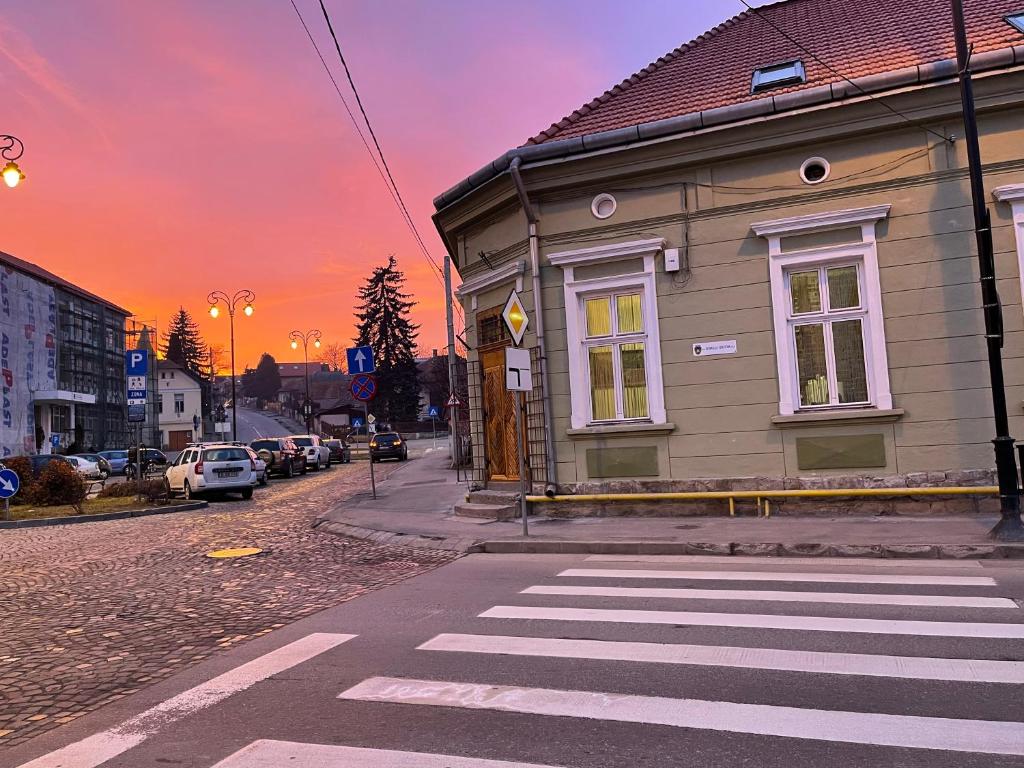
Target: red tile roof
{"x": 853, "y": 37}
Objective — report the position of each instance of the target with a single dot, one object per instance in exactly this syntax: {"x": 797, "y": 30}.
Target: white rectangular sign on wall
{"x": 708, "y": 348}
{"x": 518, "y": 377}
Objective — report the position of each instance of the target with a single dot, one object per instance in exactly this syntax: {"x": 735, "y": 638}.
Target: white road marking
{"x": 267, "y": 753}
{"x": 837, "y": 578}
{"x": 99, "y": 748}
{"x": 851, "y": 598}
{"x": 985, "y": 736}
{"x": 758, "y": 621}
{"x": 745, "y": 560}
{"x": 870, "y": 665}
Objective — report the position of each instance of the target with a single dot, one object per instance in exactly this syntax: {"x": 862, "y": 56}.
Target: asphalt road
{"x": 547, "y": 661}
{"x": 253, "y": 425}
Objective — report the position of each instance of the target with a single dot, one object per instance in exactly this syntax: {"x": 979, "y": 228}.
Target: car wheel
{"x": 316, "y": 467}
{"x": 247, "y": 493}
{"x": 263, "y": 478}
{"x": 289, "y": 470}
{"x": 328, "y": 462}
{"x": 167, "y": 489}
{"x": 187, "y": 492}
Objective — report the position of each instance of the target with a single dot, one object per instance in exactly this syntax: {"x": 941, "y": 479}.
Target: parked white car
{"x": 259, "y": 464}
{"x": 90, "y": 470}
{"x": 211, "y": 468}
{"x": 318, "y": 455}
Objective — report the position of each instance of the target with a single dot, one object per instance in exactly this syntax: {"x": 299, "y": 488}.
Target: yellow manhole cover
{"x": 234, "y": 552}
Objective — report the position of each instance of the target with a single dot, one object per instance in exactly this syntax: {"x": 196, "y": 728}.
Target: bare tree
{"x": 332, "y": 355}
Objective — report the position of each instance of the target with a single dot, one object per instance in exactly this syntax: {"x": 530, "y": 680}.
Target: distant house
{"x": 180, "y": 405}
{"x": 751, "y": 271}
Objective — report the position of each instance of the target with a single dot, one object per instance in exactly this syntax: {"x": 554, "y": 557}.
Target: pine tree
{"x": 383, "y": 324}
{"x": 183, "y": 345}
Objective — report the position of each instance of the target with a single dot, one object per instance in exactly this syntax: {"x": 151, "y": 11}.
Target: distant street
{"x": 253, "y": 425}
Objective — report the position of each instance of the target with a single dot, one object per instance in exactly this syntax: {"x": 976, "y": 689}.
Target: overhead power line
{"x": 385, "y": 172}
{"x": 839, "y": 74}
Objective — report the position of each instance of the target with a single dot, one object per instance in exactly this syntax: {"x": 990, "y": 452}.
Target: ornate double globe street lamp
{"x": 246, "y": 298}
{"x": 11, "y": 149}
{"x": 298, "y": 337}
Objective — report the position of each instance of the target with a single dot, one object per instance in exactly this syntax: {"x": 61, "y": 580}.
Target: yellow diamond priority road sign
{"x": 515, "y": 317}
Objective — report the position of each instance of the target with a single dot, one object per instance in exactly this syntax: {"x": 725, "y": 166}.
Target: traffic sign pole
{"x": 520, "y": 403}
{"x": 369, "y": 452}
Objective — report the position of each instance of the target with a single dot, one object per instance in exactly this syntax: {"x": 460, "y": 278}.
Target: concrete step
{"x": 486, "y": 511}
{"x": 491, "y": 496}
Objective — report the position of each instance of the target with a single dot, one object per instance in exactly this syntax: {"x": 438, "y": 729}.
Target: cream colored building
{"x": 180, "y": 405}
{"x": 754, "y": 272}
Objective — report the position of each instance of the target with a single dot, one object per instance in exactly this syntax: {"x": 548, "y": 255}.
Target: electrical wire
{"x": 839, "y": 74}
{"x": 393, "y": 191}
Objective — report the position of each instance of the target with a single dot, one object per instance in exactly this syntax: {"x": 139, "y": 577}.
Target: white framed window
{"x": 827, "y": 314}
{"x": 1014, "y": 195}
{"x": 614, "y": 346}
{"x": 179, "y": 403}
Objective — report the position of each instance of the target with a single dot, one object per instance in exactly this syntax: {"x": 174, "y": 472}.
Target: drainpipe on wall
{"x": 538, "y": 310}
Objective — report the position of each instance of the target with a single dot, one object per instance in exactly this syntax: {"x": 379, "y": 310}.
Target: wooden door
{"x": 178, "y": 439}
{"x": 499, "y": 413}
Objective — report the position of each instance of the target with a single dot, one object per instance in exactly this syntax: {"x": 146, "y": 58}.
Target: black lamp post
{"x": 305, "y": 338}
{"x": 215, "y": 298}
{"x": 11, "y": 149}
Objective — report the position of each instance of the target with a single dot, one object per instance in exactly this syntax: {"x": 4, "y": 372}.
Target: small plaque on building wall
{"x": 840, "y": 452}
{"x": 708, "y": 348}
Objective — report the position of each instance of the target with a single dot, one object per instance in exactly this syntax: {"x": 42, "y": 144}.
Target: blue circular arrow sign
{"x": 9, "y": 483}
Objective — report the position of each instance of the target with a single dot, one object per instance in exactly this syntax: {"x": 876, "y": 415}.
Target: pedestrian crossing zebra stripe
{"x": 745, "y": 560}
{"x": 269, "y": 753}
{"x": 836, "y": 578}
{"x": 980, "y": 736}
{"x": 762, "y": 621}
{"x": 850, "y": 598}
{"x": 813, "y": 662}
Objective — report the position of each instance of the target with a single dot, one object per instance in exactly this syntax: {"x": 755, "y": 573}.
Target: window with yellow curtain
{"x": 827, "y": 319}
{"x": 616, "y": 343}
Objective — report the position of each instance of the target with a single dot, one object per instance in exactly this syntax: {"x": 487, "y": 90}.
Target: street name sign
{"x": 708, "y": 348}
{"x": 518, "y": 377}
{"x": 363, "y": 387}
{"x": 515, "y": 317}
{"x": 360, "y": 360}
{"x": 9, "y": 483}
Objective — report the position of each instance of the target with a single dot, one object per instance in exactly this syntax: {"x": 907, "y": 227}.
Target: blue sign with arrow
{"x": 9, "y": 483}
{"x": 360, "y": 360}
{"x": 434, "y": 412}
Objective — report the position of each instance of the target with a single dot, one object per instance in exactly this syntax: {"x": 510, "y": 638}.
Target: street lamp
{"x": 215, "y": 298}
{"x": 11, "y": 149}
{"x": 305, "y": 338}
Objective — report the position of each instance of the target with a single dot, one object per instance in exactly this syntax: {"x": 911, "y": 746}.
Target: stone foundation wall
{"x": 850, "y": 505}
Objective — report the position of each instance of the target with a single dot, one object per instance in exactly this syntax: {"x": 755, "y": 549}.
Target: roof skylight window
{"x": 787, "y": 73}
{"x": 1017, "y": 19}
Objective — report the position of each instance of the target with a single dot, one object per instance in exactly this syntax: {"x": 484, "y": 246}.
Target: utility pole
{"x": 1009, "y": 527}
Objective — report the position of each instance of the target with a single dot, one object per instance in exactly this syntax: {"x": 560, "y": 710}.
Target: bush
{"x": 22, "y": 467}
{"x": 59, "y": 483}
{"x": 151, "y": 490}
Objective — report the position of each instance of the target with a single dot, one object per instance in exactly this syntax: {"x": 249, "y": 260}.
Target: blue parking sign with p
{"x": 136, "y": 362}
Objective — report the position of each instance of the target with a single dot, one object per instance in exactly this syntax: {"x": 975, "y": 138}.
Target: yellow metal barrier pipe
{"x": 958, "y": 490}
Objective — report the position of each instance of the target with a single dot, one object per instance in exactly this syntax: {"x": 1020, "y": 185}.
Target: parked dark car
{"x": 388, "y": 445}
{"x": 340, "y": 451}
{"x": 105, "y": 469}
{"x": 282, "y": 456}
{"x": 151, "y": 459}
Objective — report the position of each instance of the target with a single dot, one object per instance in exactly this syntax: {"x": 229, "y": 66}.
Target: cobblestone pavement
{"x": 91, "y": 613}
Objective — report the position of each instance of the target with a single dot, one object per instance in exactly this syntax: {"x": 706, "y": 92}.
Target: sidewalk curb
{"x": 416, "y": 541}
{"x": 41, "y": 522}
{"x": 746, "y": 549}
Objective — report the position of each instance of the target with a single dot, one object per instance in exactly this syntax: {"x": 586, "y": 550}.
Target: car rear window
{"x": 303, "y": 442}
{"x": 387, "y": 437}
{"x": 225, "y": 454}
{"x": 268, "y": 444}
{"x": 115, "y": 454}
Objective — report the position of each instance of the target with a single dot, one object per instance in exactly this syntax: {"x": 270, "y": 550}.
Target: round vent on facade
{"x": 603, "y": 206}
{"x": 814, "y": 170}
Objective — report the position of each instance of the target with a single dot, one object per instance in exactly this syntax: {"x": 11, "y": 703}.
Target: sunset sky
{"x": 173, "y": 147}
